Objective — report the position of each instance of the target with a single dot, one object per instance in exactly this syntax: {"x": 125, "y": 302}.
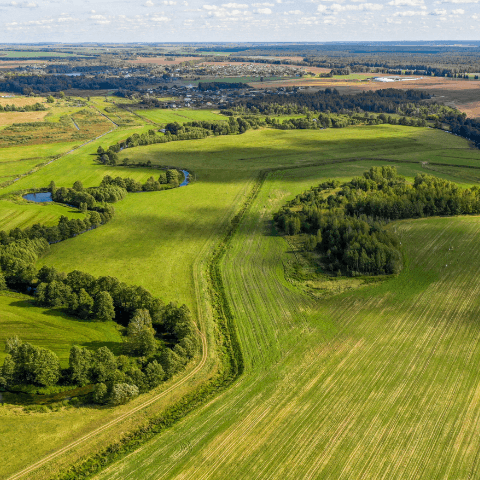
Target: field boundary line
{"x": 237, "y": 365}
{"x": 222, "y": 308}
{"x": 101, "y": 113}
{"x": 57, "y": 157}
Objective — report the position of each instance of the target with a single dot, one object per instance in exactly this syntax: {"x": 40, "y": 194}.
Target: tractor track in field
{"x": 224, "y": 244}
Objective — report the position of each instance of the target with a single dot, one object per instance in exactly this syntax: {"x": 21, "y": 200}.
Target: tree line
{"x": 468, "y": 128}
{"x": 381, "y": 101}
{"x": 37, "y": 107}
{"x": 214, "y": 86}
{"x": 56, "y": 83}
{"x": 175, "y": 131}
{"x": 345, "y": 223}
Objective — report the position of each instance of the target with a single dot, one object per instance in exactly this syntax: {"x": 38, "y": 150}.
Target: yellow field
{"x": 6, "y": 118}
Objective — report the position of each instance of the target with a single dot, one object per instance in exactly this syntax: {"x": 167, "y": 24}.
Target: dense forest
{"x": 204, "y": 86}
{"x": 55, "y": 83}
{"x": 159, "y": 339}
{"x": 330, "y": 100}
{"x": 345, "y": 223}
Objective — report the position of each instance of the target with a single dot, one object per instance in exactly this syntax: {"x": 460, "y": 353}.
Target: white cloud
{"x": 293, "y": 12}
{"x": 410, "y": 13}
{"x": 169, "y": 2}
{"x": 210, "y": 7}
{"x": 148, "y": 3}
{"x": 458, "y": 11}
{"x": 234, "y": 5}
{"x": 263, "y": 11}
{"x": 263, "y": 4}
{"x": 20, "y": 5}
{"x": 370, "y": 6}
{"x": 160, "y": 19}
{"x": 406, "y": 3}
{"x": 337, "y": 8}
{"x": 460, "y": 1}
{"x": 439, "y": 11}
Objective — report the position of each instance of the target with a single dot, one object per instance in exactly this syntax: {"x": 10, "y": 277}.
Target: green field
{"x": 52, "y": 328}
{"x": 180, "y": 115}
{"x": 21, "y": 213}
{"x": 379, "y": 381}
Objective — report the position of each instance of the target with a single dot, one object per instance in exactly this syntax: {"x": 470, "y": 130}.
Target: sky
{"x": 214, "y": 21}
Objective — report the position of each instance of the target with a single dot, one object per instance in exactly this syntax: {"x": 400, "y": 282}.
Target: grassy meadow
{"x": 51, "y": 328}
{"x": 180, "y": 115}
{"x": 379, "y": 381}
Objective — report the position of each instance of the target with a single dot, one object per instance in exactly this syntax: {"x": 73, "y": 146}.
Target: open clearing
{"x": 53, "y": 329}
{"x": 363, "y": 350}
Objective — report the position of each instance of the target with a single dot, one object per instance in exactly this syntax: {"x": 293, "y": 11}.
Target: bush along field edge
{"x": 230, "y": 369}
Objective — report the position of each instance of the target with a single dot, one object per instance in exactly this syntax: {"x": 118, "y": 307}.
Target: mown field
{"x": 380, "y": 382}
{"x": 180, "y": 115}
{"x": 313, "y": 385}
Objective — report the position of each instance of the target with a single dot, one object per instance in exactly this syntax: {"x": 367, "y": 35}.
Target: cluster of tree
{"x": 346, "y": 223}
{"x": 37, "y": 107}
{"x": 57, "y": 83}
{"x": 382, "y": 101}
{"x": 468, "y": 128}
{"x": 147, "y": 361}
{"x": 87, "y": 198}
{"x": 326, "y": 120}
{"x": 176, "y": 131}
{"x": 214, "y": 86}
{"x": 159, "y": 339}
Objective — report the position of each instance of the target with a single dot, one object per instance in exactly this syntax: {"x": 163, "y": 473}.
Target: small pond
{"x": 39, "y": 197}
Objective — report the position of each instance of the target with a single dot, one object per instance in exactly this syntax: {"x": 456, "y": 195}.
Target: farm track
{"x": 58, "y": 157}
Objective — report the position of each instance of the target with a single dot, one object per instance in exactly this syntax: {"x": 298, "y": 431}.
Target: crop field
{"x": 181, "y": 115}
{"x": 21, "y": 101}
{"x": 162, "y": 60}
{"x": 321, "y": 376}
{"x": 7, "y": 118}
{"x": 119, "y": 115}
{"x": 380, "y": 382}
{"x": 81, "y": 125}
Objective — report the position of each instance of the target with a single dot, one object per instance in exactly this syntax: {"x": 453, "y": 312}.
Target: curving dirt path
{"x": 86, "y": 437}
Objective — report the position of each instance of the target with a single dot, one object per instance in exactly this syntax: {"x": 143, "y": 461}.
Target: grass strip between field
{"x": 231, "y": 361}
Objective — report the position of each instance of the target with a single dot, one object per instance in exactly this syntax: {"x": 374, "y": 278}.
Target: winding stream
{"x": 41, "y": 197}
